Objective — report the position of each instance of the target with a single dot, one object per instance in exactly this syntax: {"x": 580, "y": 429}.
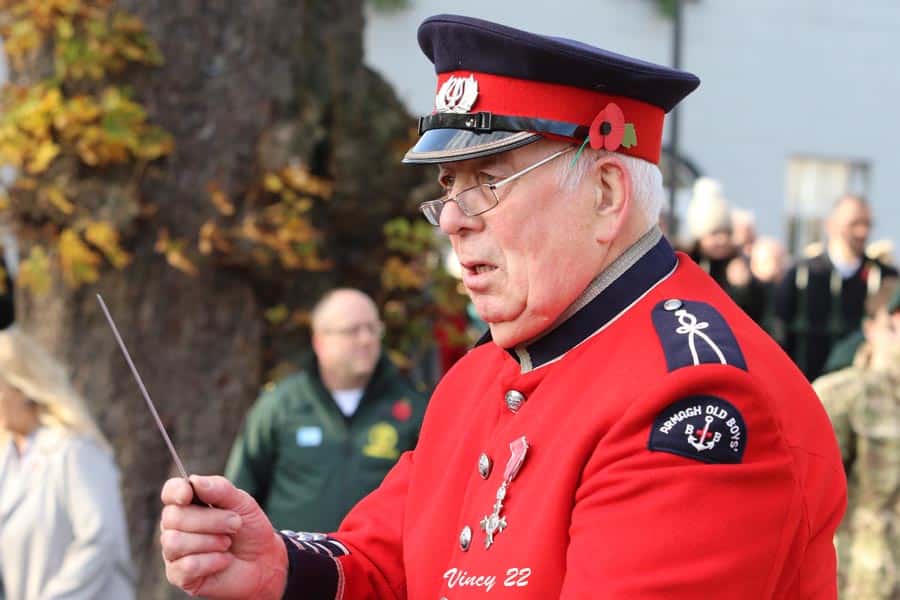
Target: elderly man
{"x": 624, "y": 432}
{"x": 320, "y": 440}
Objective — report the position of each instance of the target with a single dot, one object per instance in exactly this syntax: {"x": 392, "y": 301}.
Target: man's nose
{"x": 454, "y": 220}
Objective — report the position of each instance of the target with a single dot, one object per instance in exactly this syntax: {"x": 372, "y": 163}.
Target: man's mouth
{"x": 476, "y": 275}
{"x": 477, "y": 268}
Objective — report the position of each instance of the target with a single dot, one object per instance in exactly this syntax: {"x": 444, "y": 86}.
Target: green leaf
{"x": 630, "y": 138}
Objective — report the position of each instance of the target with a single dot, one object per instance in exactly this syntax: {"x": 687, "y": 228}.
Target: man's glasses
{"x": 375, "y": 329}
{"x": 480, "y": 198}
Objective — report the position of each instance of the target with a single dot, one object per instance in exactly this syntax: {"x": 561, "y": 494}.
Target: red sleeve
{"x": 658, "y": 525}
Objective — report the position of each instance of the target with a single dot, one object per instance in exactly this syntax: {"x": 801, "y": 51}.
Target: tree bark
{"x": 247, "y": 85}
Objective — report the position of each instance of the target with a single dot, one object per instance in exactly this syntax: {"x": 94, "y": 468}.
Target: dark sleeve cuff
{"x": 312, "y": 573}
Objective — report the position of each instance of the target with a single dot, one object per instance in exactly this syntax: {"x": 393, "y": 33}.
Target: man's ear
{"x": 612, "y": 184}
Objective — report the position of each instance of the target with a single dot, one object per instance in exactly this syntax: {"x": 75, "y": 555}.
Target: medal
{"x": 493, "y": 523}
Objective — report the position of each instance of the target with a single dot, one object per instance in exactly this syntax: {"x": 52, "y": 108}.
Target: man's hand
{"x": 228, "y": 552}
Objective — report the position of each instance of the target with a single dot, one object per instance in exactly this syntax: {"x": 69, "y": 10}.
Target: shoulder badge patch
{"x": 705, "y": 428}
{"x": 694, "y": 333}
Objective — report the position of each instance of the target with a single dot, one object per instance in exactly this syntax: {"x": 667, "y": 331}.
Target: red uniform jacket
{"x": 674, "y": 452}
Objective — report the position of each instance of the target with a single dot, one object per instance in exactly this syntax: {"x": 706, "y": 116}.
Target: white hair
{"x": 646, "y": 179}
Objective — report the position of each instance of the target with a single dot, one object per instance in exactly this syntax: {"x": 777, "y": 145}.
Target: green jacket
{"x": 864, "y": 407}
{"x": 307, "y": 464}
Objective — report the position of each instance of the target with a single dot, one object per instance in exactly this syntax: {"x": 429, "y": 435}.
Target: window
{"x": 813, "y": 184}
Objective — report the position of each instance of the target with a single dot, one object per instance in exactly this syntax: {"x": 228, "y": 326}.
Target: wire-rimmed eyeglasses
{"x": 478, "y": 199}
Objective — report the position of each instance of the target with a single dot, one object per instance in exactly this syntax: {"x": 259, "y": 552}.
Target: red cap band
{"x": 536, "y": 99}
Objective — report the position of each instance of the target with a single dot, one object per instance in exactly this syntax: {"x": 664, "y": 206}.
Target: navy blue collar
{"x": 640, "y": 268}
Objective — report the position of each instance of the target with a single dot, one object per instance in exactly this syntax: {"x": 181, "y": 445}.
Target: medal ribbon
{"x": 518, "y": 448}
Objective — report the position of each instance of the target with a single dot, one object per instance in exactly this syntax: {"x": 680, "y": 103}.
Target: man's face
{"x": 528, "y": 258}
{"x": 849, "y": 225}
{"x": 717, "y": 245}
{"x": 347, "y": 340}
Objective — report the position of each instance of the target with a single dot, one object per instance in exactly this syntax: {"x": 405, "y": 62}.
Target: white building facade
{"x": 796, "y": 105}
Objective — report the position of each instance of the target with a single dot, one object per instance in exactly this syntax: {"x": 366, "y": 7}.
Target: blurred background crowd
{"x": 228, "y": 177}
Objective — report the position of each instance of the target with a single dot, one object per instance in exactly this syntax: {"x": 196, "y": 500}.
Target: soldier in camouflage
{"x": 863, "y": 402}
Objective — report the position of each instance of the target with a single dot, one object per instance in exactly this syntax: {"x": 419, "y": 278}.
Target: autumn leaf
{"x": 42, "y": 158}
{"x": 219, "y": 199}
{"x": 173, "y": 250}
{"x": 273, "y": 183}
{"x": 34, "y": 271}
{"x": 79, "y": 264}
{"x": 105, "y": 237}
{"x": 58, "y": 199}
{"x": 178, "y": 260}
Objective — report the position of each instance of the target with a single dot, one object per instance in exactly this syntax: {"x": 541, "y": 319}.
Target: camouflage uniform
{"x": 864, "y": 407}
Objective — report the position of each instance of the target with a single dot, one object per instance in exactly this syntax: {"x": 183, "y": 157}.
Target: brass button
{"x": 514, "y": 400}
{"x": 484, "y": 465}
{"x": 465, "y": 538}
{"x": 672, "y": 304}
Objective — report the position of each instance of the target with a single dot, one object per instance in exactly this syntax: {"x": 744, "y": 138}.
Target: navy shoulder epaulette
{"x": 694, "y": 333}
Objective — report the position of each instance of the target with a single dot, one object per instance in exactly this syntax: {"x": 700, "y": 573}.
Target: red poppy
{"x": 608, "y": 128}
{"x": 402, "y": 410}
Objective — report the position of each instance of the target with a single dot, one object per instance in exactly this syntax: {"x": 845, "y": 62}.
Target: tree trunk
{"x": 247, "y": 86}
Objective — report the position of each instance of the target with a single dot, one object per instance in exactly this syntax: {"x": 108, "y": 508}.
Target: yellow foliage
{"x": 105, "y": 237}
{"x": 219, "y": 199}
{"x": 277, "y": 314}
{"x": 177, "y": 259}
{"x": 57, "y": 199}
{"x": 300, "y": 179}
{"x": 397, "y": 274}
{"x": 211, "y": 238}
{"x": 43, "y": 156}
{"x": 79, "y": 264}
{"x": 173, "y": 250}
{"x": 34, "y": 271}
{"x": 273, "y": 183}
{"x": 100, "y": 124}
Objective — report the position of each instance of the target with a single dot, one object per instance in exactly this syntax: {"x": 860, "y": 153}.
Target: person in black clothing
{"x": 712, "y": 247}
{"x": 822, "y": 299}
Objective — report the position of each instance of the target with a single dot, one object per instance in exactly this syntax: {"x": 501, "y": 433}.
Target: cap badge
{"x": 457, "y": 95}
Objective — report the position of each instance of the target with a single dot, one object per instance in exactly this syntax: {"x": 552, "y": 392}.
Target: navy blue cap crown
{"x": 456, "y": 43}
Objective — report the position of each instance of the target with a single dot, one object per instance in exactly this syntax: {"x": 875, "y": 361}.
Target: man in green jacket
{"x": 321, "y": 439}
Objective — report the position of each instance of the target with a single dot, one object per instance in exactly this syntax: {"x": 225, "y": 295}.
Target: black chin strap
{"x": 485, "y": 122}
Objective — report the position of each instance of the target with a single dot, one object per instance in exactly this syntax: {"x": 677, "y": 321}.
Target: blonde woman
{"x": 62, "y": 526}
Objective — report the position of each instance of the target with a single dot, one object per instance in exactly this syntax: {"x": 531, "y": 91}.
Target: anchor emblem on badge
{"x": 697, "y": 439}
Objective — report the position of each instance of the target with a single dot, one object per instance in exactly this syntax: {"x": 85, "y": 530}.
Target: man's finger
{"x": 176, "y": 491}
{"x": 178, "y": 544}
{"x": 218, "y": 491}
{"x": 196, "y": 519}
{"x": 190, "y": 572}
